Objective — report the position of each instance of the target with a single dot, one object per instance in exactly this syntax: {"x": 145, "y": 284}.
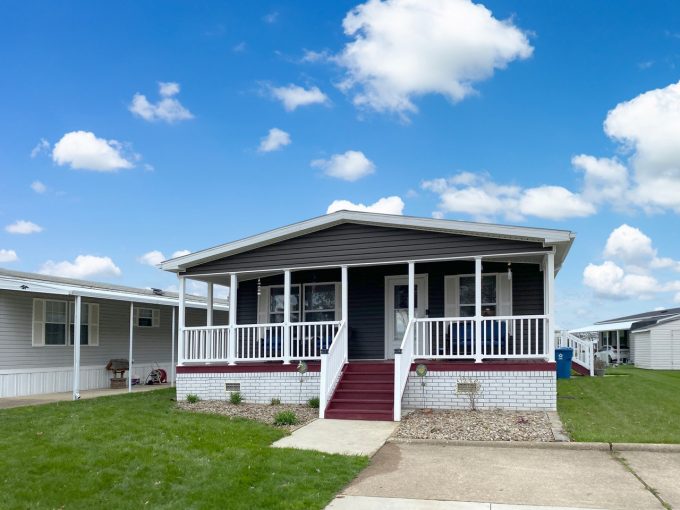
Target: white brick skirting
{"x": 514, "y": 390}
{"x": 256, "y": 387}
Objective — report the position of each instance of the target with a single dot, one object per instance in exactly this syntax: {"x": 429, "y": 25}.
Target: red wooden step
{"x": 361, "y": 404}
{"x": 366, "y": 385}
{"x": 345, "y": 414}
{"x": 386, "y": 368}
{"x": 367, "y": 377}
{"x": 368, "y": 393}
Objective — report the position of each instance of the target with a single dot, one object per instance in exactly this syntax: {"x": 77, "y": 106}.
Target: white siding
{"x": 641, "y": 346}
{"x": 45, "y": 369}
{"x": 658, "y": 348}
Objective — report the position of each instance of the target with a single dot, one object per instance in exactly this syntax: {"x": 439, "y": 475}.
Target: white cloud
{"x": 8, "y": 256}
{"x": 311, "y": 56}
{"x": 630, "y": 260}
{"x": 276, "y": 139}
{"x": 82, "y": 150}
{"x": 605, "y": 179}
{"x": 402, "y": 49}
{"x": 42, "y": 146}
{"x": 23, "y": 227}
{"x": 38, "y": 187}
{"x": 350, "y": 166}
{"x": 240, "y": 47}
{"x": 167, "y": 109}
{"x": 608, "y": 280}
{"x": 271, "y": 17}
{"x": 294, "y": 96}
{"x": 479, "y": 196}
{"x": 386, "y": 205}
{"x": 84, "y": 266}
{"x": 152, "y": 258}
{"x": 648, "y": 126}
{"x": 155, "y": 257}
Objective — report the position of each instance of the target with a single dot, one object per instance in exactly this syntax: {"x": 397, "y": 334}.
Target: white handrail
{"x": 403, "y": 357}
{"x": 333, "y": 360}
{"x": 584, "y": 353}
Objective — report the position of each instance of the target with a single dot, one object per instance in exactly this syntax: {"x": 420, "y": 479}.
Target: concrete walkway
{"x": 561, "y": 477}
{"x": 348, "y": 437}
{"x": 49, "y": 398}
{"x": 369, "y": 503}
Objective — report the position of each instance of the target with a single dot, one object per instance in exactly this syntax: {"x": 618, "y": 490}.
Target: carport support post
{"x": 233, "y": 293}
{"x": 76, "y": 348}
{"x": 478, "y": 309}
{"x": 549, "y": 274}
{"x": 286, "y": 317}
{"x": 132, "y": 332}
{"x": 618, "y": 347}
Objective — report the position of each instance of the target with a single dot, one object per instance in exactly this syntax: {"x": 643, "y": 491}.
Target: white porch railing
{"x": 205, "y": 344}
{"x": 333, "y": 360}
{"x": 256, "y": 342}
{"x": 520, "y": 336}
{"x": 403, "y": 358}
{"x": 584, "y": 354}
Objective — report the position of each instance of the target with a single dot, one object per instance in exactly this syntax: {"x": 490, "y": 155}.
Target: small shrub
{"x": 276, "y": 402}
{"x": 192, "y": 399}
{"x": 236, "y": 398}
{"x": 313, "y": 402}
{"x": 285, "y": 418}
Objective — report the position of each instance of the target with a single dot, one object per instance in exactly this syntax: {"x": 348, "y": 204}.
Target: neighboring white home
{"x": 616, "y": 342}
{"x": 38, "y": 330}
{"x": 363, "y": 299}
{"x": 656, "y": 343}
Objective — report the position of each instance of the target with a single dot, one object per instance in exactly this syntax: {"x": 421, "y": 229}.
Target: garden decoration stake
{"x": 302, "y": 370}
{"x": 421, "y": 371}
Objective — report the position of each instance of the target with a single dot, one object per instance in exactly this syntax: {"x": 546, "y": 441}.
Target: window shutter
{"x": 504, "y": 294}
{"x": 156, "y": 318}
{"x": 451, "y": 294}
{"x": 263, "y": 305}
{"x": 93, "y": 326}
{"x": 38, "y": 334}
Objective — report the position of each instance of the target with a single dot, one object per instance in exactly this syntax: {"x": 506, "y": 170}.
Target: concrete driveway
{"x": 552, "y": 476}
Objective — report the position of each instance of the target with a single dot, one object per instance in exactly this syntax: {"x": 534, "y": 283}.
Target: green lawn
{"x": 629, "y": 405}
{"x": 138, "y": 451}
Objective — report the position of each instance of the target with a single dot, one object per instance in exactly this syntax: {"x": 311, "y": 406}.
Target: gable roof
{"x": 560, "y": 239}
{"x": 644, "y": 315}
{"x": 44, "y": 284}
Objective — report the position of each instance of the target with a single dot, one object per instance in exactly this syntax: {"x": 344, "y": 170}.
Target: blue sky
{"x": 459, "y": 110}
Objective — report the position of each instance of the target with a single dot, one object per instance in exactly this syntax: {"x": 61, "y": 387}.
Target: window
{"x": 276, "y": 303}
{"x": 147, "y": 317}
{"x": 55, "y": 323}
{"x": 467, "y": 295}
{"x": 84, "y": 322}
{"x": 319, "y": 302}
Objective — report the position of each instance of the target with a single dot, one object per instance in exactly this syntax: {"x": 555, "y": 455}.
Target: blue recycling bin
{"x": 563, "y": 357}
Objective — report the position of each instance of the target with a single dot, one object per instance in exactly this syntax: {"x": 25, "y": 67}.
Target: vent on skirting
{"x": 232, "y": 386}
{"x": 468, "y": 387}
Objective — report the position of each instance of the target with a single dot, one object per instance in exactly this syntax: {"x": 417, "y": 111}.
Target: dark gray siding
{"x": 366, "y": 296}
{"x": 353, "y": 243}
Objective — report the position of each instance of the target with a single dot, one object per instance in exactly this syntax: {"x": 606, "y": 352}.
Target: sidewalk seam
{"x": 621, "y": 460}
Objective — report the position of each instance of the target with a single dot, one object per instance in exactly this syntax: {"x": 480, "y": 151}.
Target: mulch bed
{"x": 495, "y": 425}
{"x": 264, "y": 413}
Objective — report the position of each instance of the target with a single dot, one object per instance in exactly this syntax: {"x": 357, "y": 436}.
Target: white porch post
{"x": 182, "y": 320}
{"x": 478, "y": 309}
{"x": 549, "y": 275}
{"x": 411, "y": 291}
{"x": 76, "y": 348}
{"x": 233, "y": 295}
{"x": 344, "y": 308}
{"x": 618, "y": 346}
{"x": 286, "y": 317}
{"x": 173, "y": 370}
{"x": 209, "y": 305}
{"x": 132, "y": 333}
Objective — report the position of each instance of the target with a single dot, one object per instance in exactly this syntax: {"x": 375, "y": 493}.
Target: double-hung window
{"x": 319, "y": 302}
{"x": 55, "y": 322}
{"x": 310, "y": 302}
{"x": 467, "y": 295}
{"x": 276, "y": 304}
{"x": 147, "y": 317}
{"x": 84, "y": 325}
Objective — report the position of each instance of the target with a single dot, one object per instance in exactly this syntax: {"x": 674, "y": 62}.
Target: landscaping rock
{"x": 260, "y": 412}
{"x": 496, "y": 425}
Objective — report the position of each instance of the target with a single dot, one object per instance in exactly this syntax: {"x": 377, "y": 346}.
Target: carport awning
{"x": 596, "y": 328}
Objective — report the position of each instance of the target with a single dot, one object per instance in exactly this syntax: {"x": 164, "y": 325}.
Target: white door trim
{"x": 421, "y": 280}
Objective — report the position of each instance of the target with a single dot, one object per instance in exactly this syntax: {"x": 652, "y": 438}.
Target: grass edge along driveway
{"x": 139, "y": 451}
{"x": 628, "y": 405}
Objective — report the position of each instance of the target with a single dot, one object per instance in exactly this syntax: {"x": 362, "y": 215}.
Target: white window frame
{"x": 155, "y": 317}
{"x": 45, "y": 323}
{"x": 264, "y": 314}
{"x": 452, "y": 294}
{"x": 39, "y": 323}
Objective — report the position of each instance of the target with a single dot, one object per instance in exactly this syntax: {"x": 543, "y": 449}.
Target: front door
{"x": 396, "y": 308}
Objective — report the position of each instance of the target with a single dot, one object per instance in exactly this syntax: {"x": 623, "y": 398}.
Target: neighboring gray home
{"x": 362, "y": 299}
{"x": 38, "y": 331}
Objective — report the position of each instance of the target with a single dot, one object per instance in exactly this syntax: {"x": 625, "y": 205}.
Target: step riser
{"x": 363, "y": 395}
{"x": 386, "y": 369}
{"x": 358, "y": 405}
{"x": 384, "y": 378}
{"x": 358, "y": 415}
{"x": 372, "y": 386}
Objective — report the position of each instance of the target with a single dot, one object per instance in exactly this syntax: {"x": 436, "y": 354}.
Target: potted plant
{"x": 599, "y": 366}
